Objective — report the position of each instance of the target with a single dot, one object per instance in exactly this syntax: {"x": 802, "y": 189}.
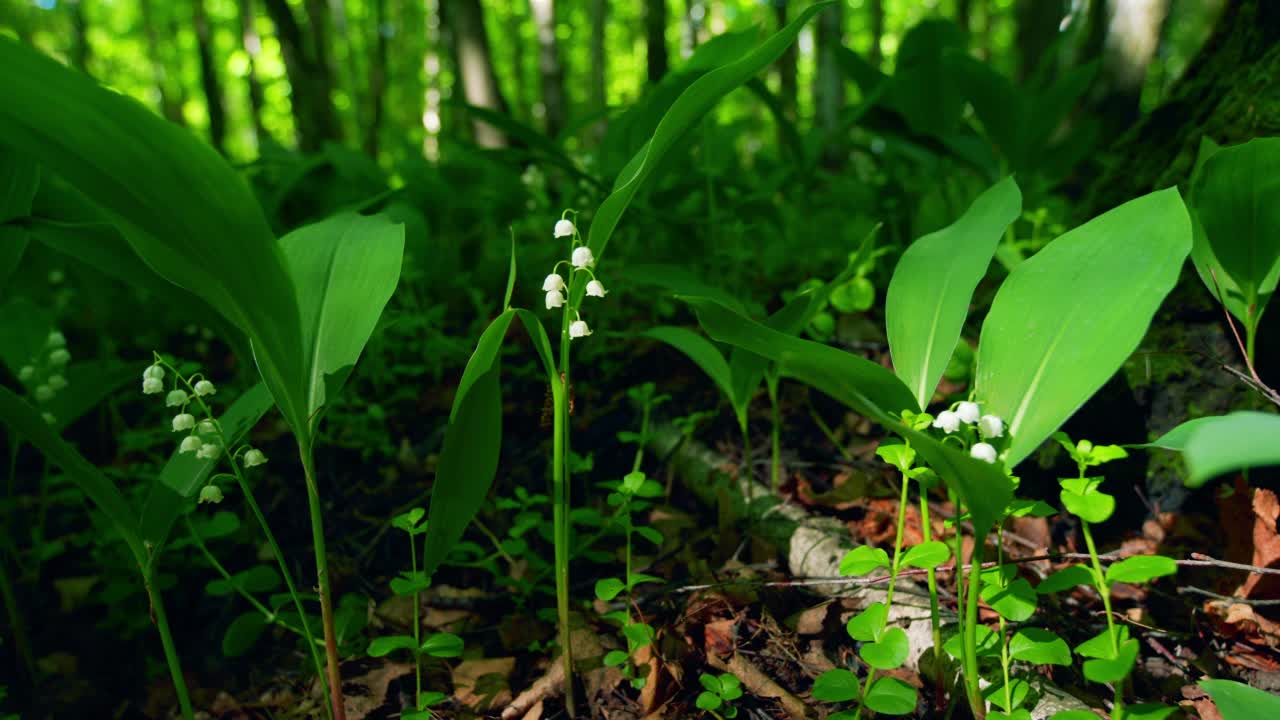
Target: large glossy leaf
{"x": 1237, "y": 202}
{"x": 1237, "y": 701}
{"x": 692, "y": 104}
{"x": 1215, "y": 445}
{"x": 869, "y": 389}
{"x": 703, "y": 354}
{"x": 13, "y": 244}
{"x": 184, "y": 474}
{"x": 1215, "y": 277}
{"x": 345, "y": 269}
{"x": 1065, "y": 320}
{"x": 19, "y": 178}
{"x": 24, "y": 420}
{"x": 184, "y": 211}
{"x": 929, "y": 294}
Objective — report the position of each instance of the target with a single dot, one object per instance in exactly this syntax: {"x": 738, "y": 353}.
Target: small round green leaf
{"x": 708, "y": 701}
{"x": 890, "y": 652}
{"x": 442, "y": 645}
{"x": 868, "y": 625}
{"x": 1066, "y": 579}
{"x": 608, "y": 588}
{"x": 1015, "y": 601}
{"x": 1094, "y": 507}
{"x": 863, "y": 559}
{"x": 1039, "y": 647}
{"x": 614, "y": 658}
{"x": 837, "y": 685}
{"x": 1109, "y": 670}
{"x": 389, "y": 644}
{"x": 242, "y": 634}
{"x": 891, "y": 696}
{"x": 927, "y": 555}
{"x": 1141, "y": 568}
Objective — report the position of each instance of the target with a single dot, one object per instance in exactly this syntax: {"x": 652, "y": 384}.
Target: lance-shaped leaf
{"x": 1066, "y": 319}
{"x": 929, "y": 294}
{"x": 1215, "y": 445}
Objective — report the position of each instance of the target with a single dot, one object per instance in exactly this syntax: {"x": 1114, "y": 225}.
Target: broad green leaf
{"x": 862, "y": 560}
{"x": 889, "y": 652}
{"x": 1177, "y": 438}
{"x": 1237, "y": 202}
{"x": 1039, "y": 647}
{"x": 345, "y": 269}
{"x": 13, "y": 244}
{"x": 838, "y": 685}
{"x": 688, "y": 109}
{"x": 927, "y": 555}
{"x": 891, "y": 696}
{"x": 1094, "y": 507}
{"x": 933, "y": 284}
{"x": 1218, "y": 445}
{"x": 182, "y": 208}
{"x": 242, "y": 634}
{"x": 1015, "y": 601}
{"x": 1067, "y": 318}
{"x": 1219, "y": 282}
{"x": 1141, "y": 568}
{"x": 442, "y": 645}
{"x": 1149, "y": 711}
{"x": 25, "y": 421}
{"x": 703, "y": 354}
{"x": 19, "y": 178}
{"x": 389, "y": 644}
{"x": 608, "y": 588}
{"x": 184, "y": 474}
{"x": 868, "y": 625}
{"x": 1066, "y": 579}
{"x": 1237, "y": 701}
{"x": 1109, "y": 670}
{"x": 1100, "y": 645}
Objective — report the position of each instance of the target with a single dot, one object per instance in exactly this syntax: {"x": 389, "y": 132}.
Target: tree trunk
{"x": 655, "y": 26}
{"x": 964, "y": 8}
{"x": 209, "y": 77}
{"x": 787, "y": 75}
{"x": 828, "y": 83}
{"x": 550, "y": 70}
{"x": 377, "y": 78}
{"x": 599, "y": 63}
{"x": 170, "y": 99}
{"x": 874, "y": 54}
{"x": 1230, "y": 93}
{"x": 252, "y": 45}
{"x": 1037, "y": 28}
{"x": 310, "y": 81}
{"x": 1133, "y": 30}
{"x": 81, "y": 50}
{"x": 465, "y": 19}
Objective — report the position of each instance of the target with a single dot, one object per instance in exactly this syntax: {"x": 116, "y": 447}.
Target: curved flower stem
{"x": 560, "y": 508}
{"x": 322, "y": 582}
{"x": 893, "y": 579}
{"x": 170, "y": 649}
{"x": 1004, "y": 638}
{"x": 974, "y": 691}
{"x": 935, "y": 615}
{"x": 771, "y": 384}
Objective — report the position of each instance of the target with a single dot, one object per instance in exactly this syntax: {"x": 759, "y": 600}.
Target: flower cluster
{"x": 580, "y": 260}
{"x": 966, "y": 415}
{"x": 43, "y": 377}
{"x": 204, "y": 436}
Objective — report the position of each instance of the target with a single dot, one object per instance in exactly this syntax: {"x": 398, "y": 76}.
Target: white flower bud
{"x": 595, "y": 289}
{"x": 948, "y": 421}
{"x": 211, "y": 494}
{"x": 254, "y": 458}
{"x": 59, "y": 357}
{"x": 55, "y": 340}
{"x": 204, "y": 387}
{"x": 57, "y": 382}
{"x": 26, "y": 373}
{"x": 153, "y": 372}
{"x": 991, "y": 426}
{"x": 175, "y": 398}
{"x": 151, "y": 386}
{"x": 582, "y": 257}
{"x": 968, "y": 412}
{"x": 44, "y": 393}
{"x": 49, "y": 418}
{"x": 184, "y": 421}
{"x": 564, "y": 228}
{"x": 553, "y": 283}
{"x": 578, "y": 328}
{"x": 190, "y": 443}
{"x": 554, "y": 299}
{"x": 207, "y": 451}
{"x": 207, "y": 427}
{"x": 983, "y": 452}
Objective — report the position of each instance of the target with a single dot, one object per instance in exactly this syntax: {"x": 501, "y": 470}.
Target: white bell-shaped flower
{"x": 210, "y": 494}
{"x": 57, "y": 382}
{"x": 564, "y": 228}
{"x": 991, "y": 426}
{"x": 578, "y": 328}
{"x": 207, "y": 427}
{"x": 183, "y": 422}
{"x": 153, "y": 372}
{"x": 55, "y": 340}
{"x": 151, "y": 386}
{"x": 554, "y": 299}
{"x": 582, "y": 257}
{"x": 26, "y": 374}
{"x": 204, "y": 387}
{"x": 175, "y": 398}
{"x": 44, "y": 393}
{"x": 968, "y": 412}
{"x": 59, "y": 357}
{"x": 553, "y": 283}
{"x": 596, "y": 289}
{"x": 254, "y": 457}
{"x": 208, "y": 451}
{"x": 947, "y": 421}
{"x": 190, "y": 443}
{"x": 983, "y": 452}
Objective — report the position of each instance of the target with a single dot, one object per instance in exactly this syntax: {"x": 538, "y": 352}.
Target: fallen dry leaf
{"x": 482, "y": 684}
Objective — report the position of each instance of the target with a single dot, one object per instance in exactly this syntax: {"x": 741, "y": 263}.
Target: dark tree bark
{"x": 310, "y": 81}
{"x": 1037, "y": 27}
{"x": 252, "y": 45}
{"x": 828, "y": 83}
{"x": 81, "y": 50}
{"x": 465, "y": 21}
{"x": 377, "y": 78}
{"x": 1230, "y": 93}
{"x": 964, "y": 9}
{"x": 209, "y": 77}
{"x": 599, "y": 62}
{"x": 550, "y": 69}
{"x": 788, "y": 88}
{"x": 655, "y": 32}
{"x": 1131, "y": 31}
{"x": 874, "y": 54}
{"x": 170, "y": 96}
{"x": 522, "y": 98}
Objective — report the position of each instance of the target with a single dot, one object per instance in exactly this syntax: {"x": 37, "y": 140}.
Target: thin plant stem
{"x": 170, "y": 649}
{"x": 831, "y": 435}
{"x": 1103, "y": 590}
{"x": 893, "y": 578}
{"x": 417, "y": 625}
{"x": 935, "y": 615}
{"x": 322, "y": 583}
{"x": 20, "y": 639}
{"x": 970, "y": 630}
{"x": 1004, "y": 638}
{"x": 771, "y": 384}
{"x": 560, "y": 519}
